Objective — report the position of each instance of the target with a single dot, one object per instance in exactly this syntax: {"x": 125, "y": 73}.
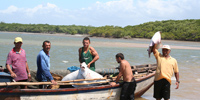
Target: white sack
{"x": 83, "y": 73}
{"x": 156, "y": 39}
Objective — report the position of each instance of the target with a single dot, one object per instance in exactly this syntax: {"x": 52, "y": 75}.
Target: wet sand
{"x": 138, "y": 45}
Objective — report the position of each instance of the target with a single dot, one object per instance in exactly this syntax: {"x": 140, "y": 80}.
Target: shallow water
{"x": 64, "y": 53}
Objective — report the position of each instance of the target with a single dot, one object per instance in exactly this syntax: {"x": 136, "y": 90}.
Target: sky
{"x": 97, "y": 12}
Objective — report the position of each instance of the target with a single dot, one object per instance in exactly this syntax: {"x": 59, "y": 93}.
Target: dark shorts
{"x": 22, "y": 86}
{"x": 161, "y": 89}
{"x": 128, "y": 89}
{"x": 26, "y": 80}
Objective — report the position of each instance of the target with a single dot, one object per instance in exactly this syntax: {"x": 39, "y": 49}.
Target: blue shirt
{"x": 43, "y": 67}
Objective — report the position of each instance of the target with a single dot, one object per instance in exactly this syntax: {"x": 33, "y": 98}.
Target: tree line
{"x": 187, "y": 30}
{"x": 45, "y": 28}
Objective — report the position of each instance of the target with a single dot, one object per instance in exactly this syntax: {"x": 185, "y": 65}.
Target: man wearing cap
{"x": 166, "y": 66}
{"x": 17, "y": 58}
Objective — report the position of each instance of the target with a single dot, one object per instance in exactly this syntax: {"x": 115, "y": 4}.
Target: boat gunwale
{"x": 60, "y": 90}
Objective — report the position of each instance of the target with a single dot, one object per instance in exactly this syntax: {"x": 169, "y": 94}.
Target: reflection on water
{"x": 64, "y": 53}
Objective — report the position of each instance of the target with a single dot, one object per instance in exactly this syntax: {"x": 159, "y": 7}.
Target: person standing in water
{"x": 166, "y": 67}
{"x": 129, "y": 83}
{"x": 88, "y": 54}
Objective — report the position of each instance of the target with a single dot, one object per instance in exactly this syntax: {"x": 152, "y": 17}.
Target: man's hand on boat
{"x": 29, "y": 77}
{"x": 113, "y": 83}
{"x": 13, "y": 75}
{"x": 54, "y": 82}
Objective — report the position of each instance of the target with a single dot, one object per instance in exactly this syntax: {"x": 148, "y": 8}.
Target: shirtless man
{"x": 129, "y": 83}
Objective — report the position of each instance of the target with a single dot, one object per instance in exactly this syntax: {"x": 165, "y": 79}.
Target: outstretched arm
{"x": 154, "y": 48}
{"x": 121, "y": 70}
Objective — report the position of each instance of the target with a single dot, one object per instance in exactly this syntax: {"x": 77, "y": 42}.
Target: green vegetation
{"x": 188, "y": 30}
{"x": 45, "y": 28}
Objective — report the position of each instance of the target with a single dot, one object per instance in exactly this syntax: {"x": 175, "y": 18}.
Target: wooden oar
{"x": 46, "y": 83}
{"x": 49, "y": 83}
{"x": 136, "y": 75}
{"x": 78, "y": 80}
{"x": 83, "y": 83}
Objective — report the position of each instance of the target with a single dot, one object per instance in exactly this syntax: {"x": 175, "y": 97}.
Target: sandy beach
{"x": 137, "y": 45}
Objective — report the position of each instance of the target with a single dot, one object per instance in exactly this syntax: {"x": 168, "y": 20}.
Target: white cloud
{"x": 10, "y": 10}
{"x": 42, "y": 9}
{"x": 117, "y": 12}
{"x": 110, "y": 13}
{"x": 168, "y": 8}
{"x": 121, "y": 5}
{"x": 30, "y": 11}
{"x": 51, "y": 5}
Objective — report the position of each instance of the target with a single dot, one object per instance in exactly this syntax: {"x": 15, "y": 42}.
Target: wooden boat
{"x": 144, "y": 75}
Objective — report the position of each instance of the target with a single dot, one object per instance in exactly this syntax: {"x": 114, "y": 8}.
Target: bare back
{"x": 126, "y": 70}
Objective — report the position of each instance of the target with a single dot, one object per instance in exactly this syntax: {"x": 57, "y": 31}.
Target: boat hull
{"x": 5, "y": 77}
{"x": 85, "y": 93}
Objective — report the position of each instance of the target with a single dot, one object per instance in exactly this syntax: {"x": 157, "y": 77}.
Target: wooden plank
{"x": 78, "y": 80}
{"x": 48, "y": 83}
